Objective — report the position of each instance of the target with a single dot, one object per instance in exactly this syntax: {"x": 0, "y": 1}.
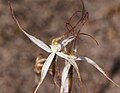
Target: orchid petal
{"x": 45, "y": 69}
{"x": 79, "y": 59}
{"x": 72, "y": 62}
{"x": 67, "y": 40}
{"x": 88, "y": 60}
{"x": 32, "y": 38}
{"x": 68, "y": 58}
{"x": 38, "y": 42}
{"x": 64, "y": 78}
{"x": 66, "y": 86}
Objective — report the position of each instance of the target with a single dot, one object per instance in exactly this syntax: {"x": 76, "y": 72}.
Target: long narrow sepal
{"x": 72, "y": 62}
{"x": 66, "y": 86}
{"x": 32, "y": 38}
{"x": 70, "y": 79}
{"x": 38, "y": 42}
{"x": 45, "y": 69}
{"x": 88, "y": 60}
{"x": 64, "y": 78}
{"x": 67, "y": 40}
{"x": 68, "y": 58}
{"x": 68, "y": 82}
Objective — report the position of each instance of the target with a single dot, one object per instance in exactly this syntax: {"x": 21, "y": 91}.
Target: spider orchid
{"x": 54, "y": 49}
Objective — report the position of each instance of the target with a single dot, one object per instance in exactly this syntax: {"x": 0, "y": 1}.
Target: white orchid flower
{"x": 54, "y": 49}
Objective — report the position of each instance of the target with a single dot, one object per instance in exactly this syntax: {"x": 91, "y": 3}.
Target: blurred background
{"x": 45, "y": 19}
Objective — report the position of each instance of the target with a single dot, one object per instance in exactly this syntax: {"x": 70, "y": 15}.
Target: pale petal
{"x": 38, "y": 42}
{"x": 67, "y": 40}
{"x": 78, "y": 73}
{"x": 64, "y": 86}
{"x": 88, "y": 60}
{"x": 72, "y": 62}
{"x": 79, "y": 59}
{"x": 45, "y": 69}
{"x": 68, "y": 58}
{"x": 32, "y": 38}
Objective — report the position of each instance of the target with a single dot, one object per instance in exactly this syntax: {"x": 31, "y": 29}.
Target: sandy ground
{"x": 46, "y": 19}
